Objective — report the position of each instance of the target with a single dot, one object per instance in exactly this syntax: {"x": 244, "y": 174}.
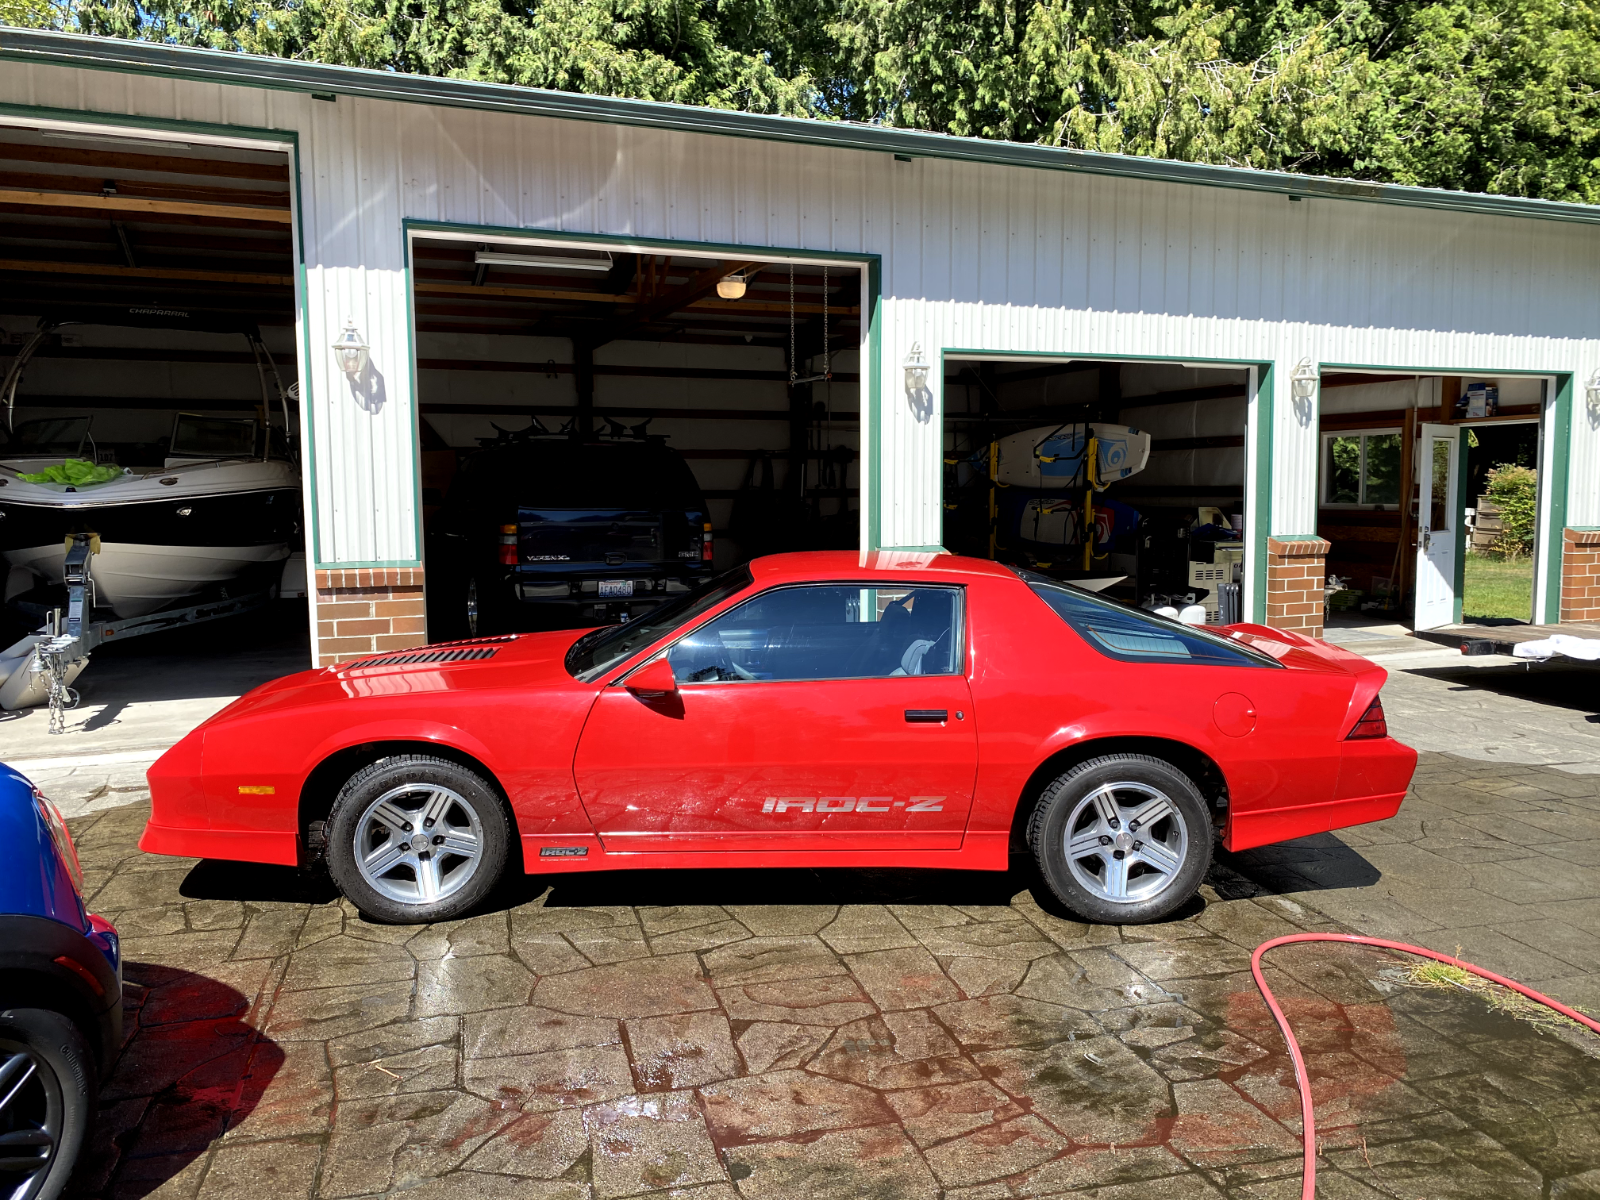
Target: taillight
{"x": 1372, "y": 723}
{"x": 67, "y": 852}
{"x": 705, "y": 543}
{"x": 508, "y": 545}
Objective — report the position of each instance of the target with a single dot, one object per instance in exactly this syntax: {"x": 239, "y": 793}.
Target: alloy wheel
{"x": 472, "y": 608}
{"x": 32, "y": 1114}
{"x": 419, "y": 843}
{"x": 1126, "y": 842}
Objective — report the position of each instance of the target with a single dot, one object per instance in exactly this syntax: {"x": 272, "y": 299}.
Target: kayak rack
{"x": 41, "y": 668}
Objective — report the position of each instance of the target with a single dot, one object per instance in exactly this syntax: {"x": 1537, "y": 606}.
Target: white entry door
{"x": 1437, "y": 535}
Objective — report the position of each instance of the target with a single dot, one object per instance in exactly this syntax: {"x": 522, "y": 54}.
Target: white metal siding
{"x": 975, "y": 257}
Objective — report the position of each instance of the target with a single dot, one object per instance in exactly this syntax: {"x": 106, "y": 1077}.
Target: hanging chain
{"x": 793, "y": 374}
{"x": 827, "y": 348}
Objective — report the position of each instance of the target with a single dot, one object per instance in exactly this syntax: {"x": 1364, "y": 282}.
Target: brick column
{"x": 1295, "y": 567}
{"x": 1580, "y": 574}
{"x": 366, "y": 610}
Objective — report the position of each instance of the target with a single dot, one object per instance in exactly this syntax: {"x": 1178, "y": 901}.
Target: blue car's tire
{"x": 44, "y": 1120}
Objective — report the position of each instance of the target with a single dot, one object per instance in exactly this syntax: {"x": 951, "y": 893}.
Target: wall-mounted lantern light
{"x": 1305, "y": 379}
{"x": 350, "y": 351}
{"x": 916, "y": 371}
{"x": 1591, "y": 392}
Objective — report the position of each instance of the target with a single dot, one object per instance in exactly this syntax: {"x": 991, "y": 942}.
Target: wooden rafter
{"x": 138, "y": 205}
{"x": 177, "y": 274}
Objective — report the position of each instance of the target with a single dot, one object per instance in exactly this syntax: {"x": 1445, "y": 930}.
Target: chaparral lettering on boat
{"x": 844, "y": 804}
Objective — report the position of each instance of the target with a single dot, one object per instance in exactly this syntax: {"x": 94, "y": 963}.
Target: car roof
{"x": 905, "y": 567}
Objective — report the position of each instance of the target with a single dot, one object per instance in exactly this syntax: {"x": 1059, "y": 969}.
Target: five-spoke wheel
{"x": 415, "y": 838}
{"x": 46, "y": 1089}
{"x": 1124, "y": 838}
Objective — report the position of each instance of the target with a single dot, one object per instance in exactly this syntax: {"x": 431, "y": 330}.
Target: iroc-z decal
{"x": 844, "y": 804}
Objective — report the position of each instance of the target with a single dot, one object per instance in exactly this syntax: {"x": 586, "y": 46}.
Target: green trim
{"x": 1237, "y": 364}
{"x": 872, "y": 403}
{"x": 247, "y": 70}
{"x": 539, "y": 233}
{"x": 1460, "y": 584}
{"x": 1410, "y": 369}
{"x": 1258, "y": 513}
{"x": 125, "y": 120}
{"x": 1560, "y": 434}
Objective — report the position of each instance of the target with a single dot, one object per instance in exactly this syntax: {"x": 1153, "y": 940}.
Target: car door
{"x": 812, "y": 717}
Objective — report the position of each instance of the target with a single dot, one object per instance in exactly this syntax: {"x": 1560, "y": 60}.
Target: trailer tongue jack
{"x": 41, "y": 668}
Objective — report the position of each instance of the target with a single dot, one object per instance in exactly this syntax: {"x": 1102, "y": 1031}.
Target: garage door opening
{"x": 1126, "y": 477}
{"x": 1429, "y": 493}
{"x": 148, "y": 397}
{"x": 605, "y": 427}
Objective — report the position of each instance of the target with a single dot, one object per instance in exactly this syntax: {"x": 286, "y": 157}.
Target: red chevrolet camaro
{"x": 813, "y": 710}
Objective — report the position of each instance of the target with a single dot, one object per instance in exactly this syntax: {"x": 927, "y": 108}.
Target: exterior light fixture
{"x": 916, "y": 371}
{"x": 1304, "y": 380}
{"x": 546, "y": 262}
{"x": 1591, "y": 392}
{"x": 351, "y": 351}
{"x": 731, "y": 287}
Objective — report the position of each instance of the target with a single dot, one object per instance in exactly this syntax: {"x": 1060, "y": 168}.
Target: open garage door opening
{"x": 1125, "y": 477}
{"x": 148, "y": 407}
{"x": 604, "y": 428}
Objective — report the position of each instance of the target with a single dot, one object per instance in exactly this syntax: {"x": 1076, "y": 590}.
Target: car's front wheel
{"x": 46, "y": 1099}
{"x": 414, "y": 838}
{"x": 1122, "y": 839}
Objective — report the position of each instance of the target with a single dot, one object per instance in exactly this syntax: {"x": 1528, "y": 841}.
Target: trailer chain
{"x": 53, "y": 659}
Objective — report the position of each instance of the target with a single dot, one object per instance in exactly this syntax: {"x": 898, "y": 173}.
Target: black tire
{"x": 375, "y": 857}
{"x": 48, "y": 1116}
{"x": 1100, "y": 798}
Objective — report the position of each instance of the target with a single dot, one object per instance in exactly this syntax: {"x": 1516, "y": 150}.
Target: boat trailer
{"x": 41, "y": 668}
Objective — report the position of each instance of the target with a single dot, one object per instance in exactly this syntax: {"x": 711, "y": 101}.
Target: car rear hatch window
{"x": 551, "y": 535}
{"x": 1133, "y": 635}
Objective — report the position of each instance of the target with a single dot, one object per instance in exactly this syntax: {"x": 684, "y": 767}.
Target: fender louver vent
{"x": 478, "y": 641}
{"x": 432, "y": 655}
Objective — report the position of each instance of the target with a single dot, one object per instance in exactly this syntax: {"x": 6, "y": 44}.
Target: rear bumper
{"x": 1373, "y": 778}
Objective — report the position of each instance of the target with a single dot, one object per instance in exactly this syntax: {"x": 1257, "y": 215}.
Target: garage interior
{"x": 1170, "y": 534}
{"x": 1370, "y": 436}
{"x": 747, "y": 370}
{"x": 151, "y": 261}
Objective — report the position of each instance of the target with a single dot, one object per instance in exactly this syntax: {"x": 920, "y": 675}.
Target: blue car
{"x": 60, "y": 997}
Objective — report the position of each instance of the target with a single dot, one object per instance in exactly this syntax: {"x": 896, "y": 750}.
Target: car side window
{"x": 1133, "y": 635}
{"x": 826, "y": 631}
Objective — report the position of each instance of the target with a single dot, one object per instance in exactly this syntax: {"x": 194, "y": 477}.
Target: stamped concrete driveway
{"x": 877, "y": 1034}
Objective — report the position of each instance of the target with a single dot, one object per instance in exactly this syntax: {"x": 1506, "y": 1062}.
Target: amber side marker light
{"x": 1372, "y": 723}
{"x": 257, "y": 789}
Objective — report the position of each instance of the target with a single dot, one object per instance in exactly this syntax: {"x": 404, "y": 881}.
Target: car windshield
{"x": 599, "y": 650}
{"x": 1134, "y": 635}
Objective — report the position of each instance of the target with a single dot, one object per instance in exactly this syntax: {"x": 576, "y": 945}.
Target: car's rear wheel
{"x": 1122, "y": 839}
{"x": 474, "y": 610}
{"x": 46, "y": 1097}
{"x": 414, "y": 838}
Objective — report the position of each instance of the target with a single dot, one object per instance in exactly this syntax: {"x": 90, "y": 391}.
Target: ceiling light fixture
{"x": 547, "y": 262}
{"x": 731, "y": 287}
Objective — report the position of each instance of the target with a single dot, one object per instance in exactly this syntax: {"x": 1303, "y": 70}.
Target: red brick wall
{"x": 368, "y": 610}
{"x": 1294, "y": 584}
{"x": 1580, "y": 575}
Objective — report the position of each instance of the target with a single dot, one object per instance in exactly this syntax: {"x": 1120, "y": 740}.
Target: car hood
{"x": 525, "y": 661}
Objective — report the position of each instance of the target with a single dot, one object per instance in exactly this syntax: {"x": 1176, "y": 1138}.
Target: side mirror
{"x": 653, "y": 681}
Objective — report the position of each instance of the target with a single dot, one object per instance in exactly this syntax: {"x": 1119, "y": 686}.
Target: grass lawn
{"x": 1497, "y": 587}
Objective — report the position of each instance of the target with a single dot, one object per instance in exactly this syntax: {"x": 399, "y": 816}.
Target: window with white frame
{"x": 1361, "y": 467}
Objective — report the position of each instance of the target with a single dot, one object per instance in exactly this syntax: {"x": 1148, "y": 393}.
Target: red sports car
{"x": 813, "y": 710}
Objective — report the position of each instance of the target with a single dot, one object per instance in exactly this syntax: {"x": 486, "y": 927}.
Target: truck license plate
{"x": 616, "y": 587}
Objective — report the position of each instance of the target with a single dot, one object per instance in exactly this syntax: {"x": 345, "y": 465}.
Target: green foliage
{"x": 1487, "y": 95}
{"x": 1515, "y": 491}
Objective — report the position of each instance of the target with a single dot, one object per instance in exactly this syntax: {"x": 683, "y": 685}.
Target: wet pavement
{"x": 808, "y": 1034}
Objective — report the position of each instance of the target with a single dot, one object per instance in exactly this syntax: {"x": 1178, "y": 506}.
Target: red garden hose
{"x": 1308, "y": 1136}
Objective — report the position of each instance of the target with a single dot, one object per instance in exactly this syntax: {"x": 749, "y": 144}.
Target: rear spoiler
{"x": 1286, "y": 646}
